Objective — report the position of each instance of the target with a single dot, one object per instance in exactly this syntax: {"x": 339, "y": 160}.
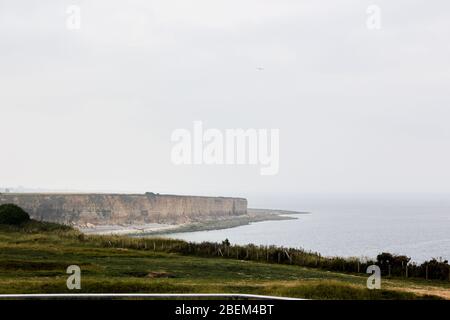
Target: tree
{"x": 12, "y": 214}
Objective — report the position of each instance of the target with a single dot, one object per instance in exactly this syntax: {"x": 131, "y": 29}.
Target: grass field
{"x": 34, "y": 258}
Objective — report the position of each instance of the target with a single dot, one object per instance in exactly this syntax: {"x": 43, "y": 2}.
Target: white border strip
{"x": 141, "y": 295}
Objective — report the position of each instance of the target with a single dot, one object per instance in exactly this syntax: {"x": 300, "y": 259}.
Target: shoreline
{"x": 153, "y": 229}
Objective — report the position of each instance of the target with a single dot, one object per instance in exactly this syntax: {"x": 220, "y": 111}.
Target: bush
{"x": 435, "y": 269}
{"x": 12, "y": 215}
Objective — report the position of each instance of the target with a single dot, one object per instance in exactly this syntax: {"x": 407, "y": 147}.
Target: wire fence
{"x": 391, "y": 265}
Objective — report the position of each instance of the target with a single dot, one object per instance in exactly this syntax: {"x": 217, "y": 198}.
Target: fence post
{"x": 389, "y": 268}
{"x": 289, "y": 257}
{"x": 426, "y": 272}
{"x": 406, "y": 271}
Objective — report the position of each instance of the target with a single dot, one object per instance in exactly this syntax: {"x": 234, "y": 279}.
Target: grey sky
{"x": 93, "y": 109}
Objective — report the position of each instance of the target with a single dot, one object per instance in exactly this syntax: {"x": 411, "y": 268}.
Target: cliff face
{"x": 104, "y": 209}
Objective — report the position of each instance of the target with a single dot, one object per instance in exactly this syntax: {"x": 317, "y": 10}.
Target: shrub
{"x": 12, "y": 215}
{"x": 435, "y": 269}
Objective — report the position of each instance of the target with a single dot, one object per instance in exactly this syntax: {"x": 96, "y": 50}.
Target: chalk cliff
{"x": 101, "y": 209}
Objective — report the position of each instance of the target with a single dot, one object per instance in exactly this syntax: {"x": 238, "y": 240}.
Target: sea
{"x": 416, "y": 225}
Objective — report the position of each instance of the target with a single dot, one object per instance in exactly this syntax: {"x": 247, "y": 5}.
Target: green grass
{"x": 34, "y": 258}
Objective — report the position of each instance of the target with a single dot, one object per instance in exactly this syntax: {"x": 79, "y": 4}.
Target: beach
{"x": 252, "y": 216}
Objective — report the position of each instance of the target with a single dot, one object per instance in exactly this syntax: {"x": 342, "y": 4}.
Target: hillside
{"x": 34, "y": 258}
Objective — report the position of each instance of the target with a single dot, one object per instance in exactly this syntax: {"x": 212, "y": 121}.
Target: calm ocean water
{"x": 418, "y": 226}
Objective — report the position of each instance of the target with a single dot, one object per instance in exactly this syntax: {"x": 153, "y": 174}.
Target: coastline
{"x": 153, "y": 229}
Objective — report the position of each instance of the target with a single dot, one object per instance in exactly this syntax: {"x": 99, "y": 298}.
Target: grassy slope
{"x": 34, "y": 261}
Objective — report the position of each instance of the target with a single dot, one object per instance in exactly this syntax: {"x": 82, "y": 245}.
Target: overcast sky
{"x": 359, "y": 110}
